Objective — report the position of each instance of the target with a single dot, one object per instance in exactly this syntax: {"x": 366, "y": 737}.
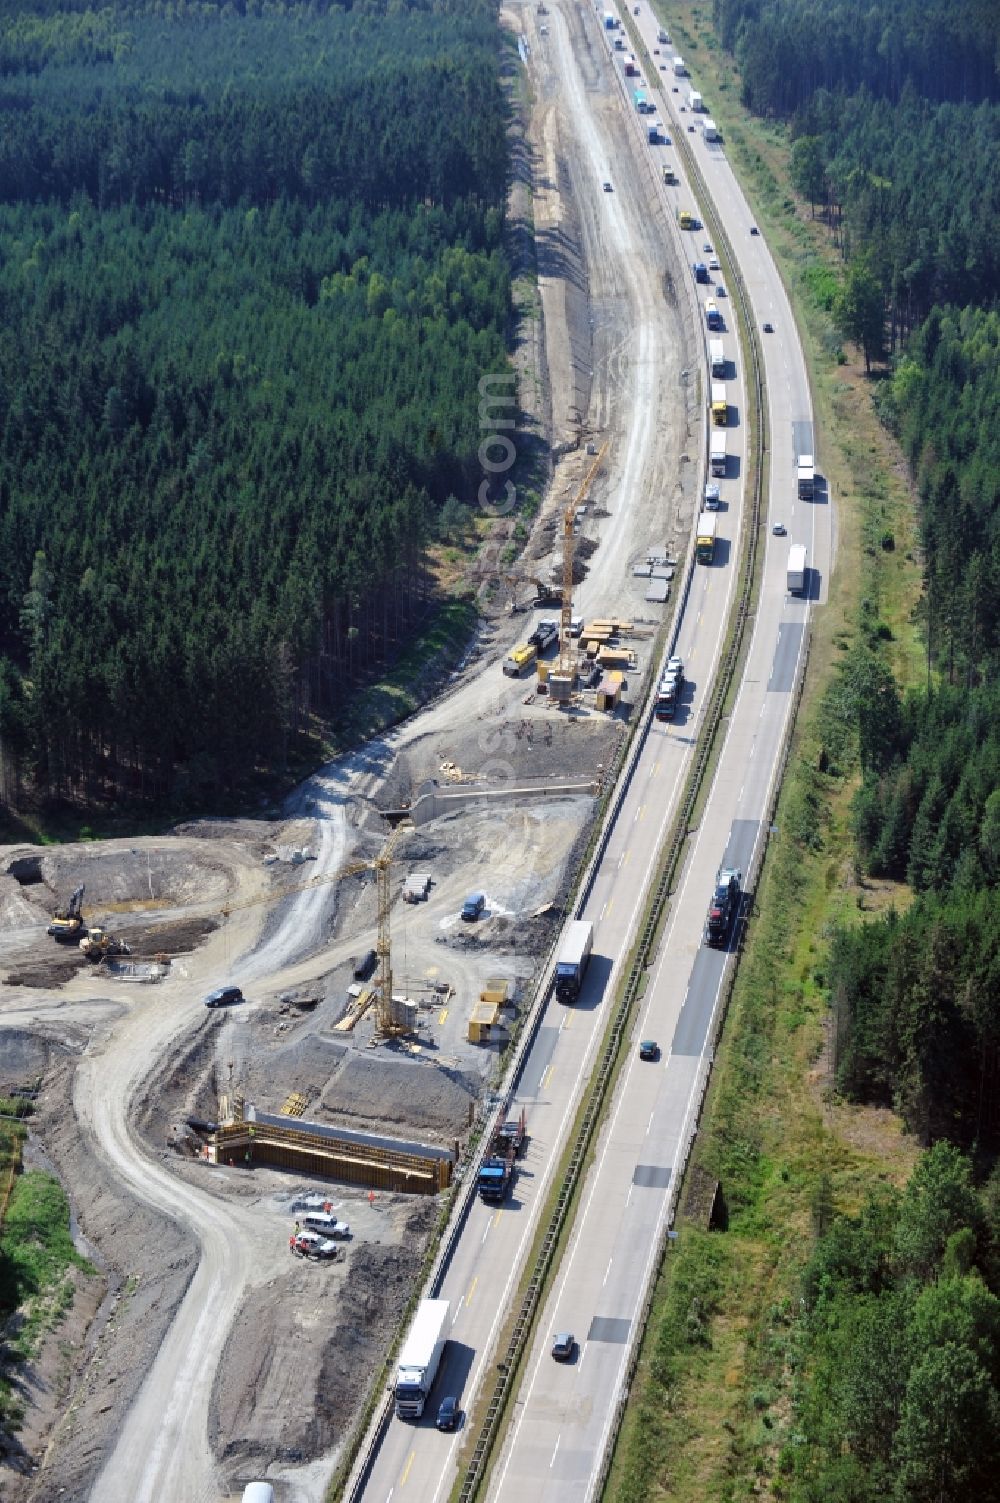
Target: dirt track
{"x": 197, "y": 1261}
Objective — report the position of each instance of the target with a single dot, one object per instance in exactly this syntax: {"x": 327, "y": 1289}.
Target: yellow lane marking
{"x": 442, "y": 1014}
{"x": 547, "y": 1077}
{"x": 472, "y": 1286}
{"x": 406, "y": 1469}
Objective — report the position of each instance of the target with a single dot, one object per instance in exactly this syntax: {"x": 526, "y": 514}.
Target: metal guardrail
{"x": 644, "y": 950}
{"x": 619, "y": 779}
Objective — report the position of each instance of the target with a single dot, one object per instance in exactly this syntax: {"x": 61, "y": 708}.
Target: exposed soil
{"x": 288, "y": 1383}
{"x": 308, "y": 1337}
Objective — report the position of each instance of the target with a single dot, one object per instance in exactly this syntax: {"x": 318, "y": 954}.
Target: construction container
{"x": 482, "y": 1022}
{"x": 609, "y": 691}
{"x": 543, "y": 672}
{"x": 403, "y": 1014}
{"x": 496, "y": 991}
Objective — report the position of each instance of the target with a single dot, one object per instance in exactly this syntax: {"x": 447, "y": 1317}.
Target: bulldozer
{"x": 67, "y": 923}
{"x": 98, "y": 944}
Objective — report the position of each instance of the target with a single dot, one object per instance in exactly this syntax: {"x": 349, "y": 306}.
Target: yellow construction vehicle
{"x": 562, "y": 681}
{"x": 98, "y": 944}
{"x": 67, "y": 923}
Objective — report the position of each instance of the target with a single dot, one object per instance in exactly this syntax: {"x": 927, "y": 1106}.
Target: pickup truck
{"x": 543, "y": 636}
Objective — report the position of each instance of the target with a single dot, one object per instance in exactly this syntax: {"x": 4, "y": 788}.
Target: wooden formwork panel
{"x": 299, "y": 1152}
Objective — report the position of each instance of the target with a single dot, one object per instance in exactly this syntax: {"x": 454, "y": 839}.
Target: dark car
{"x": 725, "y": 902}
{"x": 448, "y": 1413}
{"x": 366, "y": 966}
{"x": 564, "y": 1346}
{"x": 649, "y": 1049}
{"x": 754, "y": 230}
{"x": 224, "y": 996}
{"x": 768, "y": 328}
{"x": 473, "y": 906}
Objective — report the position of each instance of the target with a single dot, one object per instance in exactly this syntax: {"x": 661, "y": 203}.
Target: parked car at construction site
{"x": 312, "y": 1245}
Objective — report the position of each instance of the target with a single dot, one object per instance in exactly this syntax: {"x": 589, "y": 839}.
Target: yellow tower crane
{"x": 382, "y": 867}
{"x": 567, "y": 652}
{"x": 387, "y": 1022}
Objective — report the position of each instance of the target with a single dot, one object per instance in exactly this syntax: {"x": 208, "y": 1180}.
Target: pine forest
{"x": 252, "y": 272}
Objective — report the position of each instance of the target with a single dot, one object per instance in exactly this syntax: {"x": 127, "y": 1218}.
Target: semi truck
{"x": 631, "y": 68}
{"x": 687, "y": 220}
{"x": 420, "y": 1358}
{"x": 680, "y": 67}
{"x": 720, "y": 404}
{"x": 669, "y": 176}
{"x": 653, "y": 132}
{"x": 796, "y": 569}
{"x": 806, "y": 477}
{"x": 704, "y": 548}
{"x": 718, "y": 458}
{"x": 717, "y": 356}
{"x": 700, "y": 271}
{"x": 571, "y": 964}
{"x": 709, "y": 129}
{"x": 696, "y": 102}
{"x": 496, "y": 1172}
{"x": 641, "y": 102}
{"x": 713, "y": 317}
{"x": 712, "y": 496}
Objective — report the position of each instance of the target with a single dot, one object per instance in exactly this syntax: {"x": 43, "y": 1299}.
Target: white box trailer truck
{"x": 717, "y": 453}
{"x": 420, "y": 1357}
{"x": 696, "y": 102}
{"x": 680, "y": 68}
{"x": 806, "y": 477}
{"x": 796, "y": 569}
{"x": 717, "y": 356}
{"x": 571, "y": 963}
{"x": 710, "y": 130}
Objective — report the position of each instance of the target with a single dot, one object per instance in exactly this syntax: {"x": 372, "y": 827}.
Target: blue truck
{"x": 496, "y": 1172}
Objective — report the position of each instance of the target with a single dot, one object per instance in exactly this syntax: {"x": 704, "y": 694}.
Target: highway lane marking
{"x": 649, "y": 1126}
{"x": 406, "y": 1469}
{"x": 548, "y": 1073}
{"x": 639, "y": 899}
{"x": 442, "y": 1014}
{"x": 622, "y": 859}
{"x": 472, "y": 1287}
{"x": 555, "y": 1452}
{"x": 639, "y": 813}
{"x": 607, "y": 1271}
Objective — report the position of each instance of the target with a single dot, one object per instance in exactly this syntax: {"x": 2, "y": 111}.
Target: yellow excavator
{"x": 67, "y": 924}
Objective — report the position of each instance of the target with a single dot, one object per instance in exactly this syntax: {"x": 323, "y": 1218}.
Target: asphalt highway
{"x": 415, "y": 1462}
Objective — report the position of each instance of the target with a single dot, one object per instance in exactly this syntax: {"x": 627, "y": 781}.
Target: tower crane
{"x": 567, "y": 655}
{"x": 382, "y": 867}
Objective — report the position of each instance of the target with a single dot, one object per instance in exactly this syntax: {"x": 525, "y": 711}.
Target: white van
{"x": 325, "y": 1224}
